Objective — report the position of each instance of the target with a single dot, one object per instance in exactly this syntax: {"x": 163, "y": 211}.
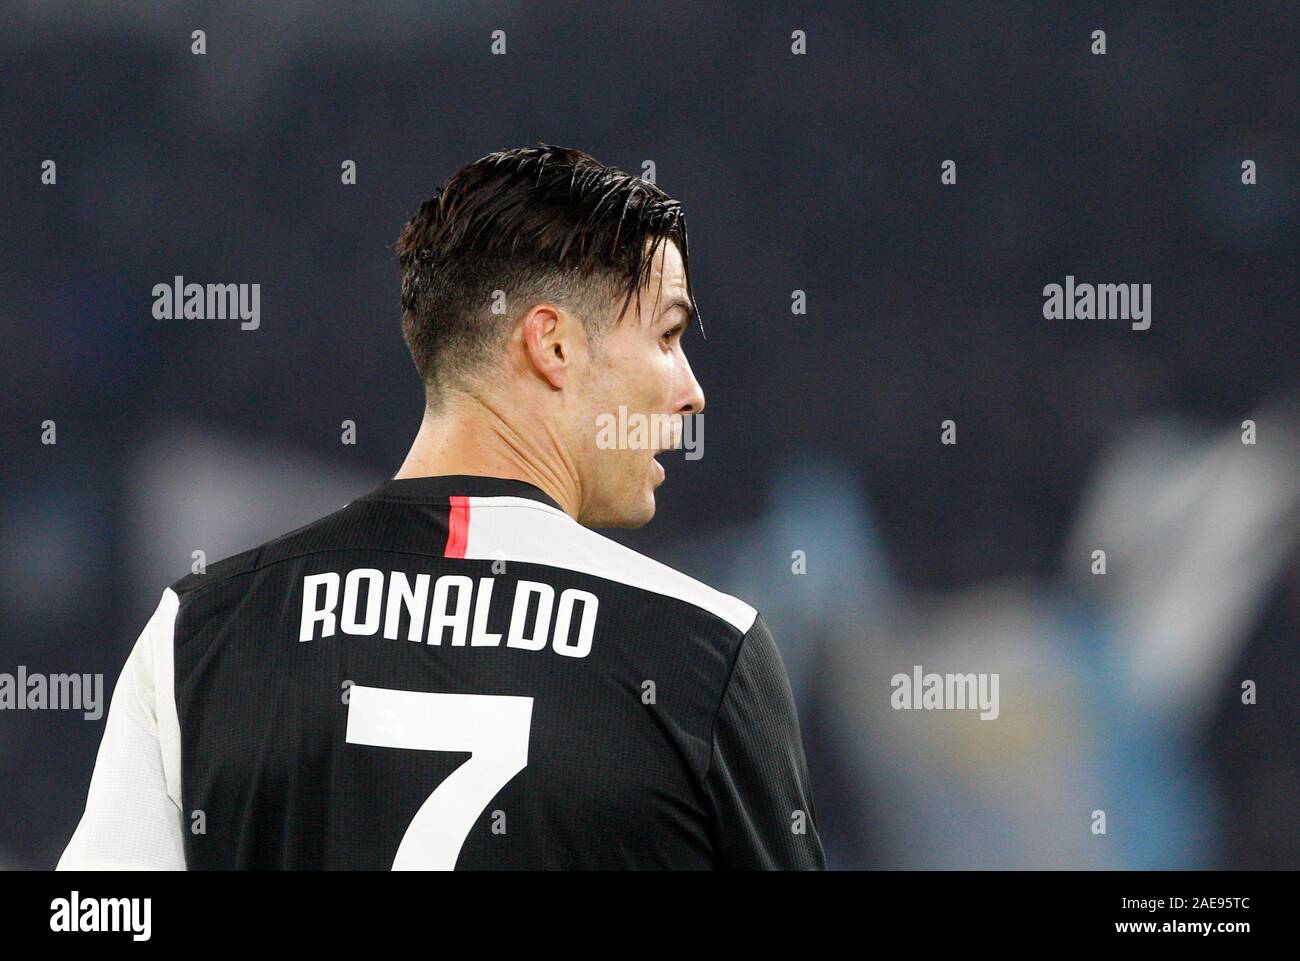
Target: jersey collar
{"x": 444, "y": 486}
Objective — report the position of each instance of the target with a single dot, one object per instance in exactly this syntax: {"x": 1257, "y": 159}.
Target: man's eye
{"x": 674, "y": 332}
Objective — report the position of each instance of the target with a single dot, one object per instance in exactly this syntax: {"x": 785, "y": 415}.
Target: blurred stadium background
{"x": 818, "y": 173}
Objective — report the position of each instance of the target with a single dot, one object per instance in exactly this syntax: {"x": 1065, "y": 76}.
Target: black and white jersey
{"x": 449, "y": 672}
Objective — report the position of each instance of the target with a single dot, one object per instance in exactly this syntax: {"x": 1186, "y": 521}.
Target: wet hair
{"x": 539, "y": 224}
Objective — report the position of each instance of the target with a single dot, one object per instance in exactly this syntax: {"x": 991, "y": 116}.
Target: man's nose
{"x": 692, "y": 400}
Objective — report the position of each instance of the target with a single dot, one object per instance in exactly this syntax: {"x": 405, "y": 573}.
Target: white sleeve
{"x": 133, "y": 818}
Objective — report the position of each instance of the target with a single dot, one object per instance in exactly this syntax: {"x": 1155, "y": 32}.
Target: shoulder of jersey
{"x": 527, "y": 531}
{"x": 250, "y": 560}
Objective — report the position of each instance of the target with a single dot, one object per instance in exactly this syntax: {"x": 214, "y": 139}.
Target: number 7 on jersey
{"x": 494, "y": 728}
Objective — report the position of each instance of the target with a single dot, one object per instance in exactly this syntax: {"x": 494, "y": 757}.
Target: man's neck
{"x": 467, "y": 436}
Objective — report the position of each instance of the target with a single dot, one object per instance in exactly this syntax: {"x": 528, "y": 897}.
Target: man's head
{"x": 522, "y": 288}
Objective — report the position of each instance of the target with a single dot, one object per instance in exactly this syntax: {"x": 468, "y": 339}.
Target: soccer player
{"x": 454, "y": 670}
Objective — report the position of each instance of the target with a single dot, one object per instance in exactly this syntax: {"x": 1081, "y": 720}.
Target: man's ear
{"x": 548, "y": 336}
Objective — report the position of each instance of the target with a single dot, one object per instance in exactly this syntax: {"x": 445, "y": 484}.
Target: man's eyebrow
{"x": 685, "y": 305}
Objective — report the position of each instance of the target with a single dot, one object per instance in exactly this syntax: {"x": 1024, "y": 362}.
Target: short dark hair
{"x": 537, "y": 223}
